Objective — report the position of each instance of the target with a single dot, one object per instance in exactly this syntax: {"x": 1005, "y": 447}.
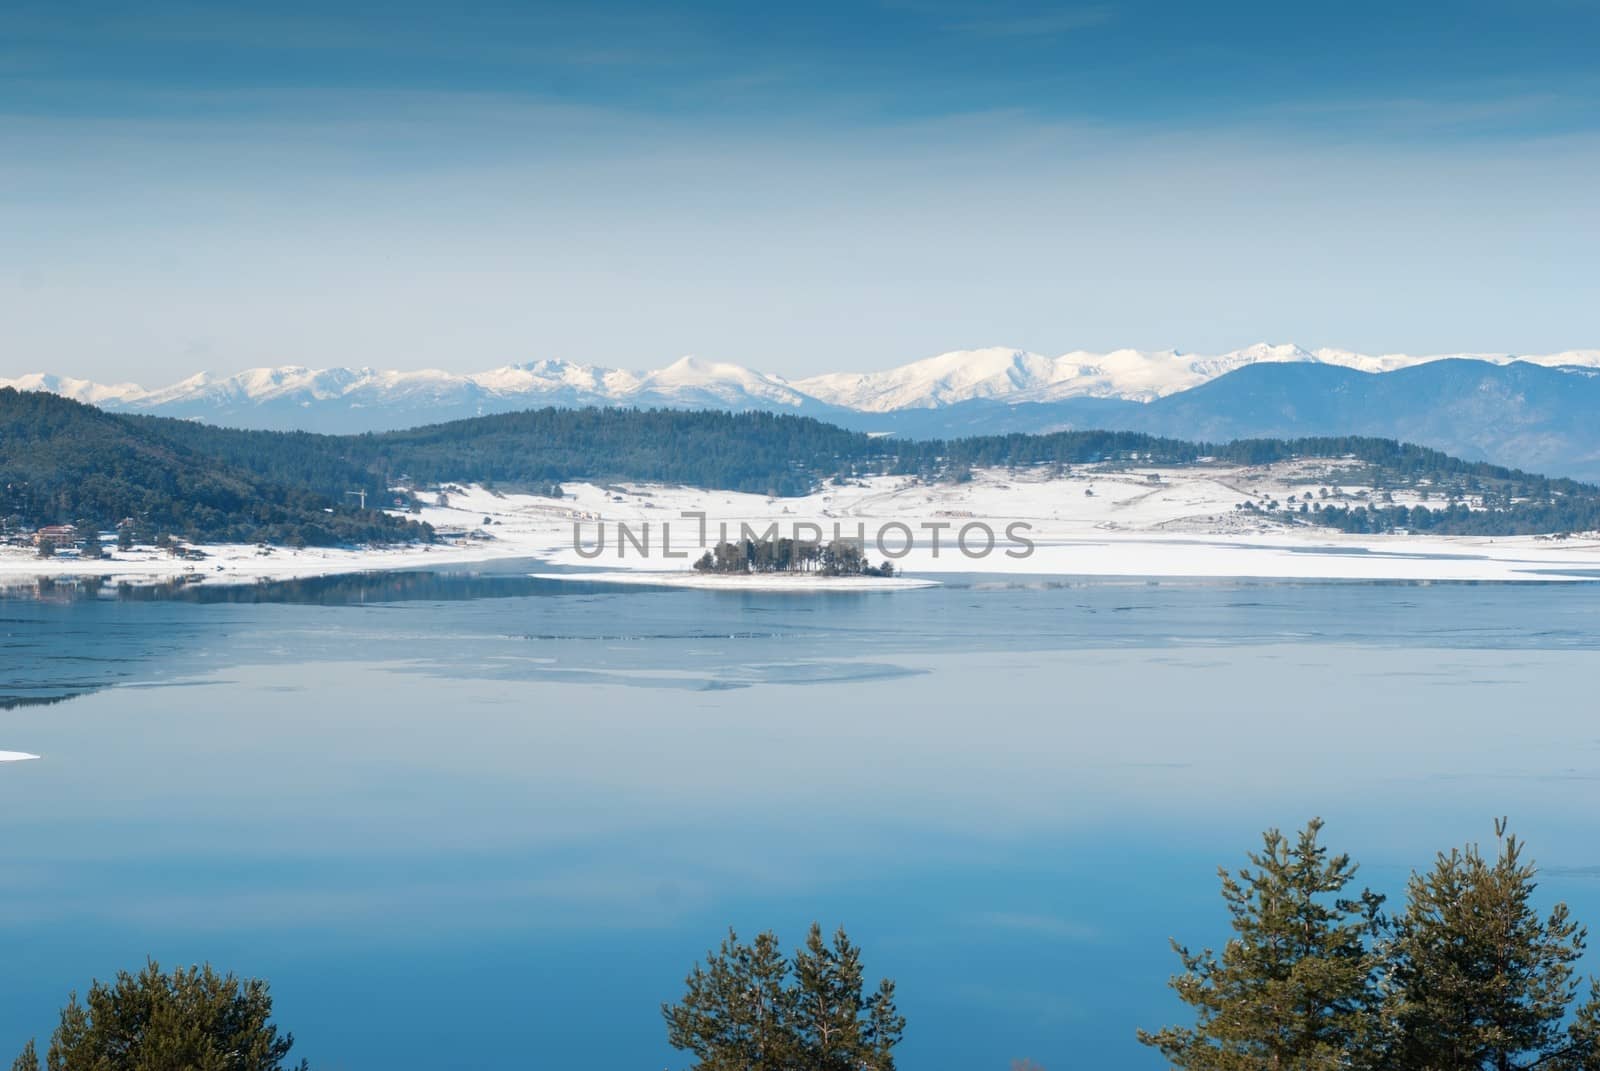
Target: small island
{"x": 771, "y": 565}
{"x": 842, "y": 557}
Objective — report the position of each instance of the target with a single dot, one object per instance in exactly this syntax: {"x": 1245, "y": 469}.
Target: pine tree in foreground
{"x": 1478, "y": 979}
{"x": 1295, "y": 988}
{"x": 736, "y": 1013}
{"x": 750, "y": 1009}
{"x": 189, "y": 1020}
{"x": 838, "y": 1028}
{"x": 28, "y": 1061}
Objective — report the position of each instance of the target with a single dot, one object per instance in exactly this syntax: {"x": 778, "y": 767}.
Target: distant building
{"x": 57, "y": 534}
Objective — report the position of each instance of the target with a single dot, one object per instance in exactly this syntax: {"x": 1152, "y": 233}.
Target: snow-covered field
{"x": 1149, "y": 522}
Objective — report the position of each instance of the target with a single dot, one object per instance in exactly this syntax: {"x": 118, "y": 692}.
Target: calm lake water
{"x": 477, "y": 821}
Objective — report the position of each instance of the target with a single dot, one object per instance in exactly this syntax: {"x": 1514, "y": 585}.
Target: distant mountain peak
{"x": 1275, "y": 351}
{"x": 338, "y": 398}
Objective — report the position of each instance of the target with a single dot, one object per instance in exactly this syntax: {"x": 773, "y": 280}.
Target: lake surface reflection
{"x": 476, "y": 820}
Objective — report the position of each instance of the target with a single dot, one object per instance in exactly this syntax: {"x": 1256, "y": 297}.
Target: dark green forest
{"x": 64, "y": 462}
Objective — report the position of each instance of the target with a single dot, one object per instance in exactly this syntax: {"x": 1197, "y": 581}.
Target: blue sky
{"x": 798, "y": 188}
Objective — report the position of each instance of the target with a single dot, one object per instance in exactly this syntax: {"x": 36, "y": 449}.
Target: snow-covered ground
{"x": 1149, "y": 522}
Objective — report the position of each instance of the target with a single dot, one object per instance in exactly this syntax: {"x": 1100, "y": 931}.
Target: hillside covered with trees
{"x": 66, "y": 463}
{"x": 63, "y": 462}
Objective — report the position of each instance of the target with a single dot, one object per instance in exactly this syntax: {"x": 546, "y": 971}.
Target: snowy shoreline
{"x": 1087, "y": 522}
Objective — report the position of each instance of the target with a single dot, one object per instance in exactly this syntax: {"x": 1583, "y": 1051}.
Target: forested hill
{"x": 66, "y": 463}
{"x": 780, "y": 455}
{"x": 62, "y": 461}
{"x": 758, "y": 452}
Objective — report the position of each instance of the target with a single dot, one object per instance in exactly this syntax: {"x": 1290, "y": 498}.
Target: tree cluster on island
{"x": 1467, "y": 974}
{"x": 840, "y": 557}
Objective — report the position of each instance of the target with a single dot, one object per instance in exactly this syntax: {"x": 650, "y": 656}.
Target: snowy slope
{"x": 82, "y": 390}
{"x": 1183, "y": 525}
{"x": 1134, "y": 375}
{"x": 360, "y": 399}
{"x": 693, "y": 382}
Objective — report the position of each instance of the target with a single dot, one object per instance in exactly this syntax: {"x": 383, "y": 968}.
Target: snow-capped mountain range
{"x": 688, "y": 382}
{"x": 350, "y": 399}
{"x": 1531, "y": 412}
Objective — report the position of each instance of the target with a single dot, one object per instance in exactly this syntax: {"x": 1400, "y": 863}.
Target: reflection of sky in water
{"x": 64, "y": 641}
{"x": 540, "y": 809}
